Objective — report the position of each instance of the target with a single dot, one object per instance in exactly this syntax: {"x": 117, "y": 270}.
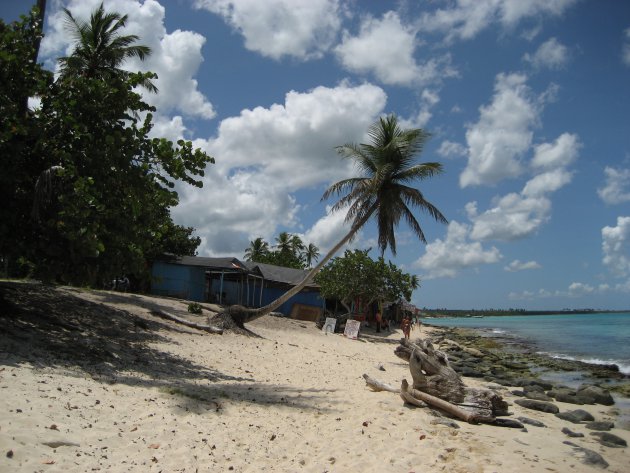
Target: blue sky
{"x": 528, "y": 104}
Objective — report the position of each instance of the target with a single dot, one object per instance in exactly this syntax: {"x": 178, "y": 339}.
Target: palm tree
{"x": 257, "y": 250}
{"x": 311, "y": 254}
{"x": 387, "y": 165}
{"x": 297, "y": 245}
{"x": 414, "y": 282}
{"x": 284, "y": 242}
{"x": 100, "y": 47}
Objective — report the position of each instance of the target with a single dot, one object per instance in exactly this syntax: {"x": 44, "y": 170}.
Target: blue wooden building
{"x": 230, "y": 281}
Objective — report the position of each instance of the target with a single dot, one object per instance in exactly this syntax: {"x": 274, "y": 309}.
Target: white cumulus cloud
{"x": 464, "y": 19}
{"x": 562, "y": 152}
{"x": 616, "y": 247}
{"x": 518, "y": 265}
{"x": 550, "y": 55}
{"x": 265, "y": 154}
{"x": 302, "y": 29}
{"x": 625, "y": 48}
{"x": 617, "y": 187}
{"x": 450, "y": 149}
{"x": 386, "y": 48}
{"x": 503, "y": 133}
{"x": 446, "y": 258}
{"x": 512, "y": 217}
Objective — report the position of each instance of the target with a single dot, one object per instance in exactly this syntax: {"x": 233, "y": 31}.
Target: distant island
{"x": 508, "y": 312}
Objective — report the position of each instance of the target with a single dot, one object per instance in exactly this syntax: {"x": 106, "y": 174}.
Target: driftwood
{"x": 376, "y": 385}
{"x": 431, "y": 371}
{"x": 473, "y": 417}
{"x": 433, "y": 375}
{"x": 436, "y": 383}
{"x": 187, "y": 323}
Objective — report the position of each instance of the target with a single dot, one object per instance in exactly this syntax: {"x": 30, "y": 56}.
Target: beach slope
{"x": 91, "y": 381}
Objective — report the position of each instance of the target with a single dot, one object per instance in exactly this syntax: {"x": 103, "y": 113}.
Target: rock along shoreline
{"x": 509, "y": 361}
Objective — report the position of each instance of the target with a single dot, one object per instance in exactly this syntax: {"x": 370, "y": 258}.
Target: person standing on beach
{"x": 405, "y": 325}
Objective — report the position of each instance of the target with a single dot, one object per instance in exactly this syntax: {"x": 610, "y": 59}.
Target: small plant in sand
{"x": 194, "y": 308}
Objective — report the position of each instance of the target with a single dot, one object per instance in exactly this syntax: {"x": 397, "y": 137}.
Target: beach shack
{"x": 276, "y": 280}
{"x": 230, "y": 281}
{"x": 200, "y": 279}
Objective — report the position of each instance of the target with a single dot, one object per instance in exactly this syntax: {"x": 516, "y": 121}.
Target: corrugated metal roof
{"x": 280, "y": 274}
{"x": 210, "y": 263}
{"x": 269, "y": 272}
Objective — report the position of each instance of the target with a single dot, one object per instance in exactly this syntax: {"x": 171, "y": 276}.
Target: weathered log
{"x": 456, "y": 411}
{"x": 433, "y": 375}
{"x": 187, "y": 323}
{"x": 376, "y": 385}
{"x": 431, "y": 371}
{"x": 409, "y": 399}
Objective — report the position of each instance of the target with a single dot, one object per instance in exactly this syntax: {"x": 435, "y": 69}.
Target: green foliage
{"x": 355, "y": 274}
{"x": 194, "y": 308}
{"x": 289, "y": 252}
{"x": 20, "y": 78}
{"x": 387, "y": 165}
{"x": 92, "y": 190}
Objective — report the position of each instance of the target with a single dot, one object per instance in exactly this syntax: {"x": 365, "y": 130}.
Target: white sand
{"x": 291, "y": 401}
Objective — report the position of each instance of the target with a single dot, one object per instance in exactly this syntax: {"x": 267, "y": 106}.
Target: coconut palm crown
{"x": 387, "y": 165}
{"x": 100, "y": 48}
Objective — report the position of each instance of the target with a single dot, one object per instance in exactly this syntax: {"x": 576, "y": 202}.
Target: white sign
{"x": 352, "y": 329}
{"x": 329, "y": 326}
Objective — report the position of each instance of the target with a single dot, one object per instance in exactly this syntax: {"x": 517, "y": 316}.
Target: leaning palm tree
{"x": 100, "y": 48}
{"x": 387, "y": 165}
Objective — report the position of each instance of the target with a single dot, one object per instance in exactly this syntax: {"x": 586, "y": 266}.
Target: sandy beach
{"x": 114, "y": 388}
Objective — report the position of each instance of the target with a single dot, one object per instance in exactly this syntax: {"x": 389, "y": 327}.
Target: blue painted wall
{"x": 270, "y": 294}
{"x": 185, "y": 282}
{"x": 188, "y": 282}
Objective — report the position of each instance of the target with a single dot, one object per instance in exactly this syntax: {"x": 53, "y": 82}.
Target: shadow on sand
{"x": 50, "y": 328}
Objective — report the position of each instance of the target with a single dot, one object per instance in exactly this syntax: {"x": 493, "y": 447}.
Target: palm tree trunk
{"x": 253, "y": 314}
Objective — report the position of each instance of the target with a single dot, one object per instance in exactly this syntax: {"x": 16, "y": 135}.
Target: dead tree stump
{"x": 433, "y": 375}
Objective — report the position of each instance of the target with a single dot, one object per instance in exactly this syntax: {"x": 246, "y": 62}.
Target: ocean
{"x": 600, "y": 338}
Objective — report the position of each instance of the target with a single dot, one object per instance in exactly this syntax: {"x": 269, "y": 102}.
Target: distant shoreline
{"x": 441, "y": 313}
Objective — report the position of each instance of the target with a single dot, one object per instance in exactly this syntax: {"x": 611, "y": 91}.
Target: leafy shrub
{"x": 194, "y": 308}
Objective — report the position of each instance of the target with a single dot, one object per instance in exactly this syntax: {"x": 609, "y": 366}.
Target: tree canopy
{"x": 356, "y": 275}
{"x": 289, "y": 252}
{"x": 91, "y": 188}
{"x": 387, "y": 165}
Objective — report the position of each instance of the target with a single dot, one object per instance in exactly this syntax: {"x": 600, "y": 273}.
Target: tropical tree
{"x": 100, "y": 48}
{"x": 387, "y": 165}
{"x": 20, "y": 78}
{"x": 356, "y": 275}
{"x": 414, "y": 281}
{"x": 257, "y": 250}
{"x": 284, "y": 242}
{"x": 90, "y": 191}
{"x": 311, "y": 254}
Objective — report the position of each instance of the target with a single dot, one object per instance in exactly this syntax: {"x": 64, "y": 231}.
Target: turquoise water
{"x": 594, "y": 338}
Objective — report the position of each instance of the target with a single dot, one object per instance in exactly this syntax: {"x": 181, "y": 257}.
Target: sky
{"x": 527, "y": 103}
